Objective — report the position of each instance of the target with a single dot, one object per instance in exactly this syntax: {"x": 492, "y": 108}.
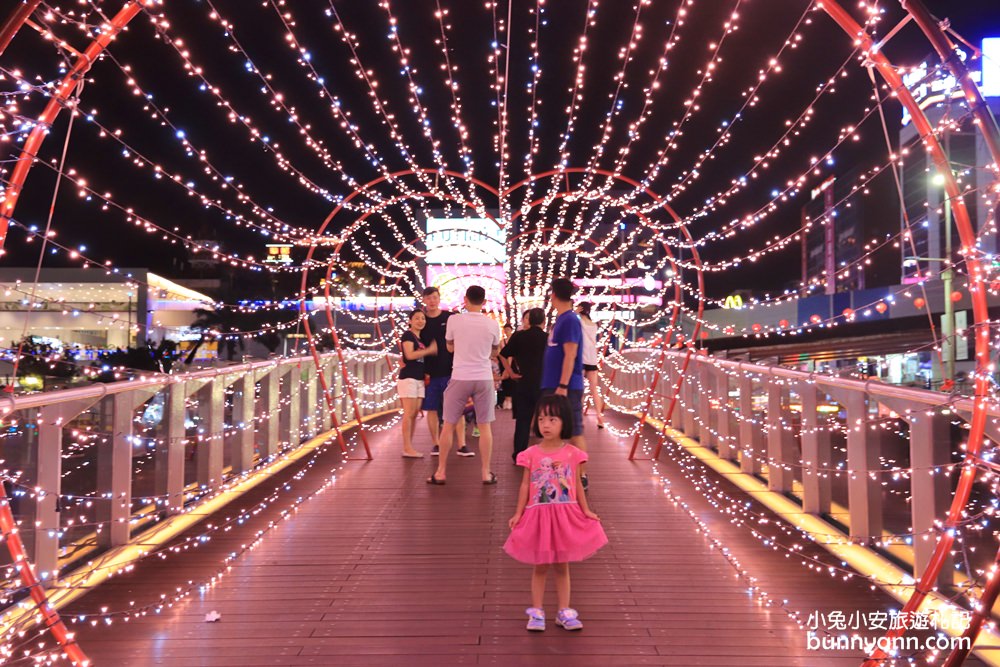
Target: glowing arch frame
{"x": 977, "y": 285}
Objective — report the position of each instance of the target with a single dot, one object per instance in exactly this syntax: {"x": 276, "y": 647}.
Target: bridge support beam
{"x": 724, "y": 422}
{"x": 688, "y": 405}
{"x": 751, "y": 433}
{"x": 244, "y": 401}
{"x": 309, "y": 402}
{"x": 169, "y": 455}
{"x": 816, "y": 454}
{"x": 864, "y": 487}
{"x": 270, "y": 395}
{"x": 209, "y": 452}
{"x": 706, "y": 421}
{"x": 930, "y": 488}
{"x": 114, "y": 474}
{"x": 780, "y": 441}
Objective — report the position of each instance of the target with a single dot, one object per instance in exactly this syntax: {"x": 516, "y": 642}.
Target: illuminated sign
{"x": 452, "y": 281}
{"x": 733, "y": 302}
{"x": 818, "y": 190}
{"x": 990, "y": 84}
{"x": 278, "y": 253}
{"x": 608, "y": 315}
{"x": 356, "y": 303}
{"x": 618, "y": 283}
{"x": 464, "y": 241}
{"x": 625, "y": 298}
{"x": 929, "y": 89}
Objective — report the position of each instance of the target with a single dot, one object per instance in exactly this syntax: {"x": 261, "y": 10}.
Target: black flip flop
{"x": 491, "y": 480}
{"x": 437, "y": 482}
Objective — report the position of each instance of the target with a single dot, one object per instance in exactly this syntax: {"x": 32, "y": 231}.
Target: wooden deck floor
{"x": 383, "y": 569}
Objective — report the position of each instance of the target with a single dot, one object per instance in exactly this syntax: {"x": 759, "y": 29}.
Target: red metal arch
{"x": 59, "y": 100}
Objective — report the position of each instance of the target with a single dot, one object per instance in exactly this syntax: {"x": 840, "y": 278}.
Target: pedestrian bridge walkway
{"x": 328, "y": 556}
{"x": 382, "y": 569}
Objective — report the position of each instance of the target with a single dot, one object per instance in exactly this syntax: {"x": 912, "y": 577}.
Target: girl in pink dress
{"x": 552, "y": 525}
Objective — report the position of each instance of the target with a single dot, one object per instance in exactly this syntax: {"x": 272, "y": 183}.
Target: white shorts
{"x": 410, "y": 388}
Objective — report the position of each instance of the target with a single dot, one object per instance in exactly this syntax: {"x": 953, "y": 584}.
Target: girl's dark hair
{"x": 413, "y": 313}
{"x": 585, "y": 307}
{"x": 554, "y": 405}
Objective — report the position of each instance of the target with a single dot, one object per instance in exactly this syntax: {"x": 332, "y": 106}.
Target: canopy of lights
{"x": 658, "y": 154}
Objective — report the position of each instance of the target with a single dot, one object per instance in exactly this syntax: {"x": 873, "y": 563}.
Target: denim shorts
{"x": 434, "y": 394}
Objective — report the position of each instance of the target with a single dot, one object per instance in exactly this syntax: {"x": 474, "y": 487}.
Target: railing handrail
{"x": 872, "y": 387}
{"x": 99, "y": 390}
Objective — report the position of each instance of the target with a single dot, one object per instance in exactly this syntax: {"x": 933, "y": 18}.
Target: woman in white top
{"x": 590, "y": 359}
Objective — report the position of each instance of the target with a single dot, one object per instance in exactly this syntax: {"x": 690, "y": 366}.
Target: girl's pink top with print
{"x": 553, "y": 475}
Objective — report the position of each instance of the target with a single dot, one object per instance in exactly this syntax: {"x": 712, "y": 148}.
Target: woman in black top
{"x": 411, "y": 378}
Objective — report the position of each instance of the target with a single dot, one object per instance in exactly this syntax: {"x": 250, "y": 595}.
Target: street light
{"x": 948, "y": 323}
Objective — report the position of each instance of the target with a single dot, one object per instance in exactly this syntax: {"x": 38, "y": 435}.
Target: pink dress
{"x": 553, "y": 527}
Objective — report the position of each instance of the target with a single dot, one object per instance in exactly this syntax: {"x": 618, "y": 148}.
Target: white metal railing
{"x": 97, "y": 464}
{"x": 770, "y": 421}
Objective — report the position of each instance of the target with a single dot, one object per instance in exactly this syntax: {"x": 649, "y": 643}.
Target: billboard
{"x": 453, "y": 280}
{"x": 929, "y": 89}
{"x": 464, "y": 241}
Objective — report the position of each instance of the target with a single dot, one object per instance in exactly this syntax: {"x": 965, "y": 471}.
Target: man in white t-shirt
{"x": 474, "y": 339}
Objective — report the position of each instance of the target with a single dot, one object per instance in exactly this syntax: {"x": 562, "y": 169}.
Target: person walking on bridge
{"x": 438, "y": 369}
{"x": 474, "y": 339}
{"x": 523, "y": 357}
{"x": 562, "y": 373}
{"x": 411, "y": 378}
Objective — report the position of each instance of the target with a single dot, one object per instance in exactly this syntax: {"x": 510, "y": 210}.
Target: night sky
{"x": 156, "y": 66}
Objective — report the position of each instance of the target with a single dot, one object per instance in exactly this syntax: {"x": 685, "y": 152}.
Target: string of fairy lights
{"x": 558, "y": 220}
{"x": 741, "y": 512}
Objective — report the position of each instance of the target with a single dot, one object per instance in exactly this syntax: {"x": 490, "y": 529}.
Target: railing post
{"x": 677, "y": 417}
{"x": 44, "y": 546}
{"x": 270, "y": 396}
{"x": 751, "y": 440}
{"x": 210, "y": 447}
{"x": 864, "y": 492}
{"x": 688, "y": 404}
{"x": 243, "y": 421}
{"x": 706, "y": 416}
{"x": 780, "y": 445}
{"x": 309, "y": 404}
{"x": 724, "y": 422}
{"x": 339, "y": 395}
{"x": 930, "y": 447}
{"x": 169, "y": 455}
{"x": 328, "y": 369}
{"x": 816, "y": 454}
{"x": 359, "y": 381}
{"x": 114, "y": 474}
{"x": 293, "y": 393}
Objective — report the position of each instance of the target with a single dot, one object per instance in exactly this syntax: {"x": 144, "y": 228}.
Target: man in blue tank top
{"x": 562, "y": 372}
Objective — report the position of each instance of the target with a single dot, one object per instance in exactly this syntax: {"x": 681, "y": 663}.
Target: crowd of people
{"x": 460, "y": 364}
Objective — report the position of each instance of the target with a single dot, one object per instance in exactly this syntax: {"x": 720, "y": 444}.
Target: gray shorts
{"x": 458, "y": 392}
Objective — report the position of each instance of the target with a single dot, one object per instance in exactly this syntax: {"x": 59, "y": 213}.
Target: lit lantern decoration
{"x": 783, "y": 323}
{"x": 848, "y": 313}
{"x": 956, "y": 296}
{"x": 756, "y": 327}
{"x": 919, "y": 302}
{"x": 704, "y": 335}
{"x": 729, "y": 330}
{"x": 815, "y": 319}
{"x": 881, "y": 307}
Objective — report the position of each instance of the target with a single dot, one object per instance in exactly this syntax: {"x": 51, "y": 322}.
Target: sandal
{"x": 491, "y": 480}
{"x": 437, "y": 482}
